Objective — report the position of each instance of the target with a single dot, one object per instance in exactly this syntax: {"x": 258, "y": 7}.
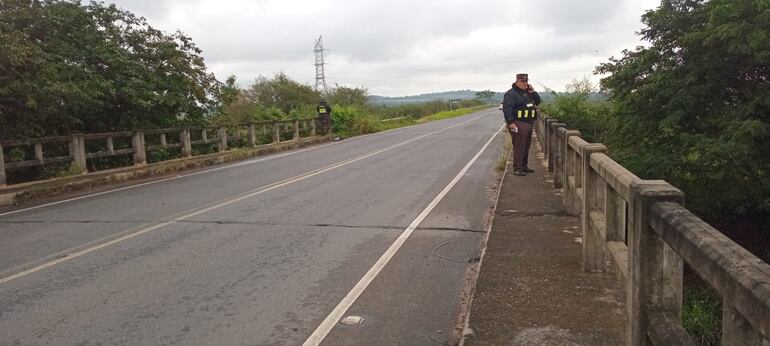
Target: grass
{"x": 702, "y": 315}
{"x": 500, "y": 167}
{"x": 389, "y": 125}
{"x": 450, "y": 114}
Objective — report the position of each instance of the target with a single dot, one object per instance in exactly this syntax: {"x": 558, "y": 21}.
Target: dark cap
{"x": 522, "y": 76}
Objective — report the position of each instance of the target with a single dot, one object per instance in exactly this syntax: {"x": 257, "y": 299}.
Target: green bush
{"x": 352, "y": 120}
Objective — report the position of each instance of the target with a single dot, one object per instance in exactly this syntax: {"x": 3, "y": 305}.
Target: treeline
{"x": 281, "y": 97}
{"x": 67, "y": 67}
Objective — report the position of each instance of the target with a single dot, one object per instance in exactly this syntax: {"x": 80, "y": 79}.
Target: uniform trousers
{"x": 521, "y": 141}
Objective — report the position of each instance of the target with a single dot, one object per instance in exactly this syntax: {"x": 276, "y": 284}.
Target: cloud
{"x": 402, "y": 47}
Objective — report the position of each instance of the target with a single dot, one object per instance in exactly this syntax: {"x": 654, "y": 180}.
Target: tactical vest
{"x": 528, "y": 112}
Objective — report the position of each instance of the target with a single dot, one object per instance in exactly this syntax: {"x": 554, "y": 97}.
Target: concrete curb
{"x": 25, "y": 193}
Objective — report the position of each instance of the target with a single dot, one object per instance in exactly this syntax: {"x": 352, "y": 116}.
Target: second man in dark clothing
{"x": 324, "y": 116}
{"x": 520, "y": 110}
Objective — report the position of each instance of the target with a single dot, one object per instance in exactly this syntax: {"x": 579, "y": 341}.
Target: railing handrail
{"x": 643, "y": 229}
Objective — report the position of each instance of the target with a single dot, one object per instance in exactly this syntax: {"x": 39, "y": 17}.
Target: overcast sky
{"x": 399, "y": 47}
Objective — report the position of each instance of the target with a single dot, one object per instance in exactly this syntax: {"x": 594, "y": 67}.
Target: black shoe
{"x": 519, "y": 173}
{"x": 528, "y": 170}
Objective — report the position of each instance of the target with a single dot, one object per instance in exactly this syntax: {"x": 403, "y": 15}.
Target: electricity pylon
{"x": 320, "y": 78}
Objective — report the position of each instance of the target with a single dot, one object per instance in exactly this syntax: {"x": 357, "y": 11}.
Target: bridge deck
{"x": 532, "y": 289}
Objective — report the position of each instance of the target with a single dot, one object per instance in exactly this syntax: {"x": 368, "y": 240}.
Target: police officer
{"x": 520, "y": 110}
{"x": 324, "y": 116}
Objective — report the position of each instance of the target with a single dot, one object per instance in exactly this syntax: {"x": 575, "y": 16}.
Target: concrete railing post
{"x": 540, "y": 132}
{"x": 252, "y": 135}
{"x": 548, "y": 147}
{"x": 137, "y": 143}
{"x": 184, "y": 138}
{"x": 655, "y": 270}
{"x": 558, "y": 154}
{"x": 222, "y": 134}
{"x": 593, "y": 192}
{"x": 39, "y": 152}
{"x": 110, "y": 145}
{"x": 78, "y": 153}
{"x": 276, "y": 132}
{"x": 3, "y": 180}
{"x": 312, "y": 128}
{"x": 572, "y": 167}
{"x": 296, "y": 130}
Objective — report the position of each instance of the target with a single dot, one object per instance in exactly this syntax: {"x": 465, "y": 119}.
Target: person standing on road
{"x": 324, "y": 116}
{"x": 520, "y": 110}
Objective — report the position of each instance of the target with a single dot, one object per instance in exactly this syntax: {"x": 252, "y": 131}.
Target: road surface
{"x": 273, "y": 250}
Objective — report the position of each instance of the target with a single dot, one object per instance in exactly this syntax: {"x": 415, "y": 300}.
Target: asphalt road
{"x": 262, "y": 251}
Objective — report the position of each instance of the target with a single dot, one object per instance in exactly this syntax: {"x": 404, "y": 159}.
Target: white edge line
{"x": 331, "y": 320}
{"x": 206, "y": 171}
{"x": 255, "y": 192}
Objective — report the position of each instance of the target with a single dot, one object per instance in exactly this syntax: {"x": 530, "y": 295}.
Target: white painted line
{"x": 206, "y": 171}
{"x": 246, "y": 195}
{"x": 326, "y": 326}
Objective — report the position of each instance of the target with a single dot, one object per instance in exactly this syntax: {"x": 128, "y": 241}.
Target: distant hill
{"x": 460, "y": 94}
{"x": 444, "y": 95}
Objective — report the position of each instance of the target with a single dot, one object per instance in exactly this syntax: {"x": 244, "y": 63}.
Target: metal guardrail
{"x": 48, "y": 150}
{"x": 641, "y": 229}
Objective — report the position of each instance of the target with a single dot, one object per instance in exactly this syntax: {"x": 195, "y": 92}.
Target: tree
{"x": 696, "y": 103}
{"x": 583, "y": 87}
{"x": 282, "y": 93}
{"x": 71, "y": 67}
{"x": 342, "y": 95}
{"x": 228, "y": 109}
{"x": 485, "y": 95}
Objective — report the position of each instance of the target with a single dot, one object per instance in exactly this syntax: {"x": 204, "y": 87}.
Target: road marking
{"x": 326, "y": 326}
{"x": 243, "y": 196}
{"x": 206, "y": 171}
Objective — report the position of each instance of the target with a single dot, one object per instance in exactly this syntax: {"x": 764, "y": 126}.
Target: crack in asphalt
{"x": 521, "y": 214}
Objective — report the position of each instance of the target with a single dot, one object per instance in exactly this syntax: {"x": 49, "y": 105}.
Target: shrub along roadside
{"x": 353, "y": 121}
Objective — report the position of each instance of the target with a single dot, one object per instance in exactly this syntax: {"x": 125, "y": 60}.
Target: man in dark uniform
{"x": 324, "y": 116}
{"x": 520, "y": 110}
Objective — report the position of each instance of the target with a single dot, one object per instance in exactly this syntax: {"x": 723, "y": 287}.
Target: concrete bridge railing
{"x": 641, "y": 230}
{"x": 78, "y": 148}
